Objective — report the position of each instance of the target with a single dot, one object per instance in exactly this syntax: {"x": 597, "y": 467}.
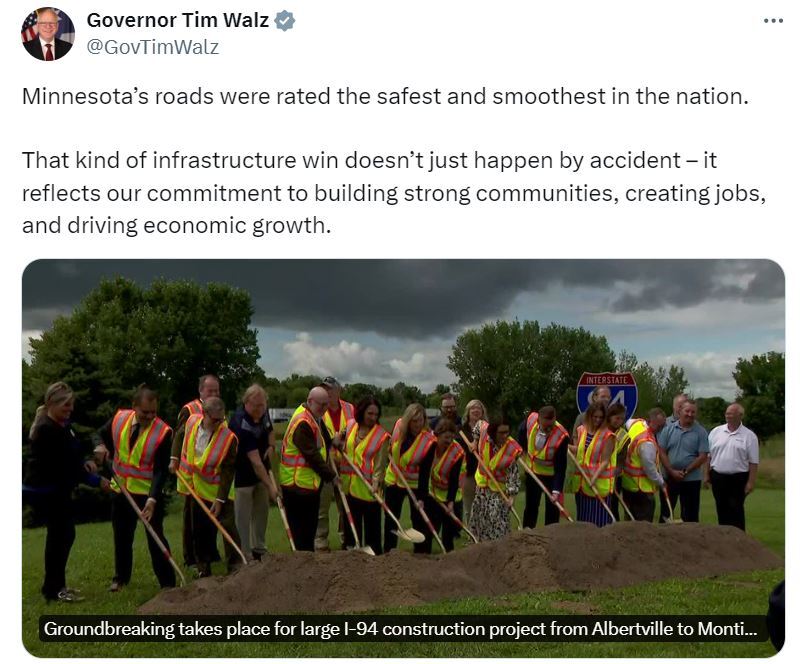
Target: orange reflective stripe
{"x": 414, "y": 455}
{"x": 194, "y": 407}
{"x": 142, "y": 466}
{"x": 441, "y": 471}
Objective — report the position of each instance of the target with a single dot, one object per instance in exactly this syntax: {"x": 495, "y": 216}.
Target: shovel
{"x": 410, "y": 534}
{"x": 414, "y": 502}
{"x": 363, "y": 549}
{"x": 457, "y": 520}
{"x": 554, "y": 502}
{"x": 150, "y": 530}
{"x": 670, "y": 518}
{"x": 212, "y": 517}
{"x": 283, "y": 514}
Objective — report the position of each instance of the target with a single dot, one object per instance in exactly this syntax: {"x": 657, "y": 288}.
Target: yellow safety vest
{"x": 590, "y": 457}
{"x": 204, "y": 474}
{"x": 499, "y": 462}
{"x": 409, "y": 463}
{"x": 363, "y": 454}
{"x": 441, "y": 471}
{"x": 346, "y": 414}
{"x": 634, "y": 477}
{"x": 134, "y": 464}
{"x": 542, "y": 461}
{"x": 294, "y": 468}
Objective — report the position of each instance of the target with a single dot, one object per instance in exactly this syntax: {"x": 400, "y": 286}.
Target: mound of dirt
{"x": 560, "y": 557}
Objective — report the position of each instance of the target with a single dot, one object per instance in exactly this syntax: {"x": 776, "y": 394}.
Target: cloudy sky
{"x": 384, "y": 321}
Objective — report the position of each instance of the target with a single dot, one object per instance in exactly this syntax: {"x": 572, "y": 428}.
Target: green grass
{"x": 91, "y": 565}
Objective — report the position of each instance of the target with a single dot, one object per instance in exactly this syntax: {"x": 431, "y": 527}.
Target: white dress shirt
{"x": 732, "y": 451}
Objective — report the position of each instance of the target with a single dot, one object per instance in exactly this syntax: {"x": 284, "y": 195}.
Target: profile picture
{"x": 48, "y": 33}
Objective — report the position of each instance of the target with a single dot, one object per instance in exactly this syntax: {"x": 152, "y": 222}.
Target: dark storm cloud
{"x": 409, "y": 299}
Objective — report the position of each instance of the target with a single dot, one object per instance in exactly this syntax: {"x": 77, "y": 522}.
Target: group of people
{"x": 449, "y": 469}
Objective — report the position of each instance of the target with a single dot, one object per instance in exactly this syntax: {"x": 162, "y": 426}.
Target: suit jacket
{"x": 34, "y": 47}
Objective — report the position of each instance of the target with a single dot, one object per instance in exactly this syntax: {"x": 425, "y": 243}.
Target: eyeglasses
{"x": 48, "y": 24}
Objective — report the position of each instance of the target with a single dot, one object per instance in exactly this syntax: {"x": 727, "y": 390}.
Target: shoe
{"x": 74, "y": 591}
{"x": 68, "y": 597}
{"x": 203, "y": 570}
{"x": 116, "y": 586}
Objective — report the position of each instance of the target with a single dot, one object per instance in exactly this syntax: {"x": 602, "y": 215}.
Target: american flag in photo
{"x": 29, "y": 29}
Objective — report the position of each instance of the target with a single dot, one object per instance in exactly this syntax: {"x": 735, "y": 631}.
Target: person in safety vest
{"x": 641, "y": 477}
{"x": 304, "y": 471}
{"x": 412, "y": 442}
{"x": 335, "y": 419}
{"x": 489, "y": 516}
{"x": 207, "y": 463}
{"x": 596, "y": 455}
{"x": 616, "y": 413}
{"x": 364, "y": 441}
{"x": 545, "y": 442}
{"x": 600, "y": 395}
{"x": 447, "y": 470}
{"x": 209, "y": 386}
{"x": 137, "y": 443}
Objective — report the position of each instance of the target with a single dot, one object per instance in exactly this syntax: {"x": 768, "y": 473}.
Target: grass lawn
{"x": 91, "y": 565}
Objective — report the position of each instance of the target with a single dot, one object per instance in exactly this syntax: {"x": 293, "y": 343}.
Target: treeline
{"x": 171, "y": 332}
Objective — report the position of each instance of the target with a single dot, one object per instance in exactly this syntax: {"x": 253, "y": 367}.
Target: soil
{"x": 570, "y": 557}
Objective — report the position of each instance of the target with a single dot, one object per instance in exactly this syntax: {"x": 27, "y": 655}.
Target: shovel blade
{"x": 411, "y": 535}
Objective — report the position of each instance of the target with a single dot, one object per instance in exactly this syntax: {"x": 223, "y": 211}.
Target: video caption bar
{"x": 391, "y": 628}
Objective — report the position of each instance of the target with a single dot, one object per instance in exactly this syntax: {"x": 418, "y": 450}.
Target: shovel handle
{"x": 213, "y": 518}
{"x": 624, "y": 505}
{"x": 281, "y": 507}
{"x": 428, "y": 523}
{"x": 457, "y": 520}
{"x": 590, "y": 485}
{"x": 556, "y": 503}
{"x": 150, "y": 530}
{"x": 345, "y": 505}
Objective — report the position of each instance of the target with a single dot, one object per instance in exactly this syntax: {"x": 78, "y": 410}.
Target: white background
{"x": 451, "y": 45}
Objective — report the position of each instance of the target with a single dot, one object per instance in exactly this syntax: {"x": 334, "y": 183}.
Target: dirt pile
{"x": 561, "y": 557}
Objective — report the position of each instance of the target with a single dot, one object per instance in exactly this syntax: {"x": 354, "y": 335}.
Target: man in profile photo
{"x": 44, "y": 45}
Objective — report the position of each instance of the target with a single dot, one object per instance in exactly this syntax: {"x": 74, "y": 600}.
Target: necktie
{"x": 49, "y": 54}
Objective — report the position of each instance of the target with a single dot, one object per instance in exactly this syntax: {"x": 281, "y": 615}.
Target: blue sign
{"x": 622, "y": 386}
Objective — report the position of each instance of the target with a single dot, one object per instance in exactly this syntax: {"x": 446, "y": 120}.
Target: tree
{"x": 711, "y": 411}
{"x": 657, "y": 386}
{"x": 165, "y": 335}
{"x": 761, "y": 383}
{"x": 514, "y": 367}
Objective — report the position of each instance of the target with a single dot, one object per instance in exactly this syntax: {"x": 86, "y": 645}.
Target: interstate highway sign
{"x": 622, "y": 386}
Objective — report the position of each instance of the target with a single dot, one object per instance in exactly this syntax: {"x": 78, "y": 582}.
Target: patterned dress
{"x": 489, "y": 516}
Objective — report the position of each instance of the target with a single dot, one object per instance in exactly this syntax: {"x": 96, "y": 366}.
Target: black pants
{"x": 56, "y": 508}
{"x": 446, "y": 527}
{"x": 642, "y": 505}
{"x": 367, "y": 518}
{"x": 205, "y": 533}
{"x": 729, "y": 496}
{"x": 302, "y": 510}
{"x": 533, "y": 497}
{"x": 124, "y": 525}
{"x": 395, "y": 496}
{"x": 689, "y": 494}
